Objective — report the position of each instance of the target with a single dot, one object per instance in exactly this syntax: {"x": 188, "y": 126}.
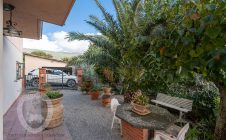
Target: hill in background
{"x": 56, "y": 55}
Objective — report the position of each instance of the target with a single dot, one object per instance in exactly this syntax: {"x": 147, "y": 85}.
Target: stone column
{"x": 79, "y": 73}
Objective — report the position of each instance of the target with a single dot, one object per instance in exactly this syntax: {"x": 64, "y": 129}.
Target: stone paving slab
{"x": 13, "y": 130}
{"x": 84, "y": 119}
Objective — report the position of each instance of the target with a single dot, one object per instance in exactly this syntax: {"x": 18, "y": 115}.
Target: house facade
{"x": 28, "y": 16}
{"x": 40, "y": 62}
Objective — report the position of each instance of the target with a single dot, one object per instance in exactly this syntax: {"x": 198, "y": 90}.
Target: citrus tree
{"x": 194, "y": 39}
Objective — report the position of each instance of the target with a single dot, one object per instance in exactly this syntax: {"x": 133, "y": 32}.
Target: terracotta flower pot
{"x": 56, "y": 111}
{"x": 94, "y": 95}
{"x": 139, "y": 108}
{"x": 106, "y": 100}
{"x": 107, "y": 90}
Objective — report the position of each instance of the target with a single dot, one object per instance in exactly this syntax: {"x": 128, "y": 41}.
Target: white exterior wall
{"x": 12, "y": 52}
{"x": 1, "y": 58}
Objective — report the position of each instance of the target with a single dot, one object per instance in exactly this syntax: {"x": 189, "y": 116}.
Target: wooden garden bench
{"x": 180, "y": 104}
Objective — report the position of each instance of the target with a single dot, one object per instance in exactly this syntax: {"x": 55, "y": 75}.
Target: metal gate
{"x": 61, "y": 78}
{"x": 57, "y": 78}
{"x": 31, "y": 82}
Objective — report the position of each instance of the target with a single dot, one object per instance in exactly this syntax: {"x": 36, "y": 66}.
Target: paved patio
{"x": 84, "y": 120}
{"x": 87, "y": 119}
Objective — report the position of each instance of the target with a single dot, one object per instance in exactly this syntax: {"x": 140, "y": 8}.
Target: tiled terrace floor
{"x": 13, "y": 130}
{"x": 83, "y": 120}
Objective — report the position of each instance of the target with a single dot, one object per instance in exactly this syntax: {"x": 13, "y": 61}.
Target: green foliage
{"x": 66, "y": 59}
{"x": 86, "y": 85}
{"x": 94, "y": 61}
{"x": 53, "y": 94}
{"x": 115, "y": 42}
{"x": 47, "y": 86}
{"x": 142, "y": 100}
{"x": 195, "y": 38}
{"x": 96, "y": 88}
{"x": 202, "y": 130}
{"x": 42, "y": 54}
{"x": 205, "y": 96}
{"x": 131, "y": 96}
{"x": 203, "y": 93}
{"x": 153, "y": 45}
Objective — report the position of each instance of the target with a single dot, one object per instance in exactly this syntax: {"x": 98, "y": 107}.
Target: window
{"x": 49, "y": 71}
{"x": 57, "y": 72}
{"x": 19, "y": 70}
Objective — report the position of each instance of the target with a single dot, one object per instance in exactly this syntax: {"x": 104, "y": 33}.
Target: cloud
{"x": 56, "y": 42}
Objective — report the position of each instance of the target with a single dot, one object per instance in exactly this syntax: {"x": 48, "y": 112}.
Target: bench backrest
{"x": 179, "y": 102}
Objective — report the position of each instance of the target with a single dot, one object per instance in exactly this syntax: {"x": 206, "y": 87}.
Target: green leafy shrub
{"x": 86, "y": 85}
{"x": 53, "y": 94}
{"x": 204, "y": 96}
{"x": 202, "y": 130}
{"x": 141, "y": 100}
{"x": 95, "y": 88}
{"x": 47, "y": 86}
{"x": 42, "y": 54}
{"x": 130, "y": 96}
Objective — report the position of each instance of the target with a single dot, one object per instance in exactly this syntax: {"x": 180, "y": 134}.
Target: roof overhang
{"x": 29, "y": 15}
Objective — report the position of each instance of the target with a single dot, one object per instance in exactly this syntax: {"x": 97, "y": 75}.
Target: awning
{"x": 29, "y": 14}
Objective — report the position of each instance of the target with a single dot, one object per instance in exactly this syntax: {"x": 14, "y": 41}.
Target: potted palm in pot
{"x": 86, "y": 86}
{"x": 94, "y": 92}
{"x": 131, "y": 79}
{"x": 140, "y": 104}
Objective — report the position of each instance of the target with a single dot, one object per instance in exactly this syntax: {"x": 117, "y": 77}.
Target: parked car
{"x": 54, "y": 77}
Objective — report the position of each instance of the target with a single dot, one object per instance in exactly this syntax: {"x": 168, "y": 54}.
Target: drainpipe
{"x": 1, "y": 80}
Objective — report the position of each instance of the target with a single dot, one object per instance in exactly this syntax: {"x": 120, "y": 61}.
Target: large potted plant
{"x": 53, "y": 109}
{"x": 108, "y": 78}
{"x": 131, "y": 78}
{"x": 94, "y": 92}
{"x": 86, "y": 86}
{"x": 106, "y": 98}
{"x": 140, "y": 103}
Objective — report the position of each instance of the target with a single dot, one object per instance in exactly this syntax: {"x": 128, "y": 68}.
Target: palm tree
{"x": 120, "y": 37}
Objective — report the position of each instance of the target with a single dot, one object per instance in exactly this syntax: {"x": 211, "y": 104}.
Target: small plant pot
{"x": 94, "y": 95}
{"x": 139, "y": 108}
{"x": 107, "y": 90}
{"x": 106, "y": 100}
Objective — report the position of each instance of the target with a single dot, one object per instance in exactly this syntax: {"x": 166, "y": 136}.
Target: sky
{"x": 53, "y": 36}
